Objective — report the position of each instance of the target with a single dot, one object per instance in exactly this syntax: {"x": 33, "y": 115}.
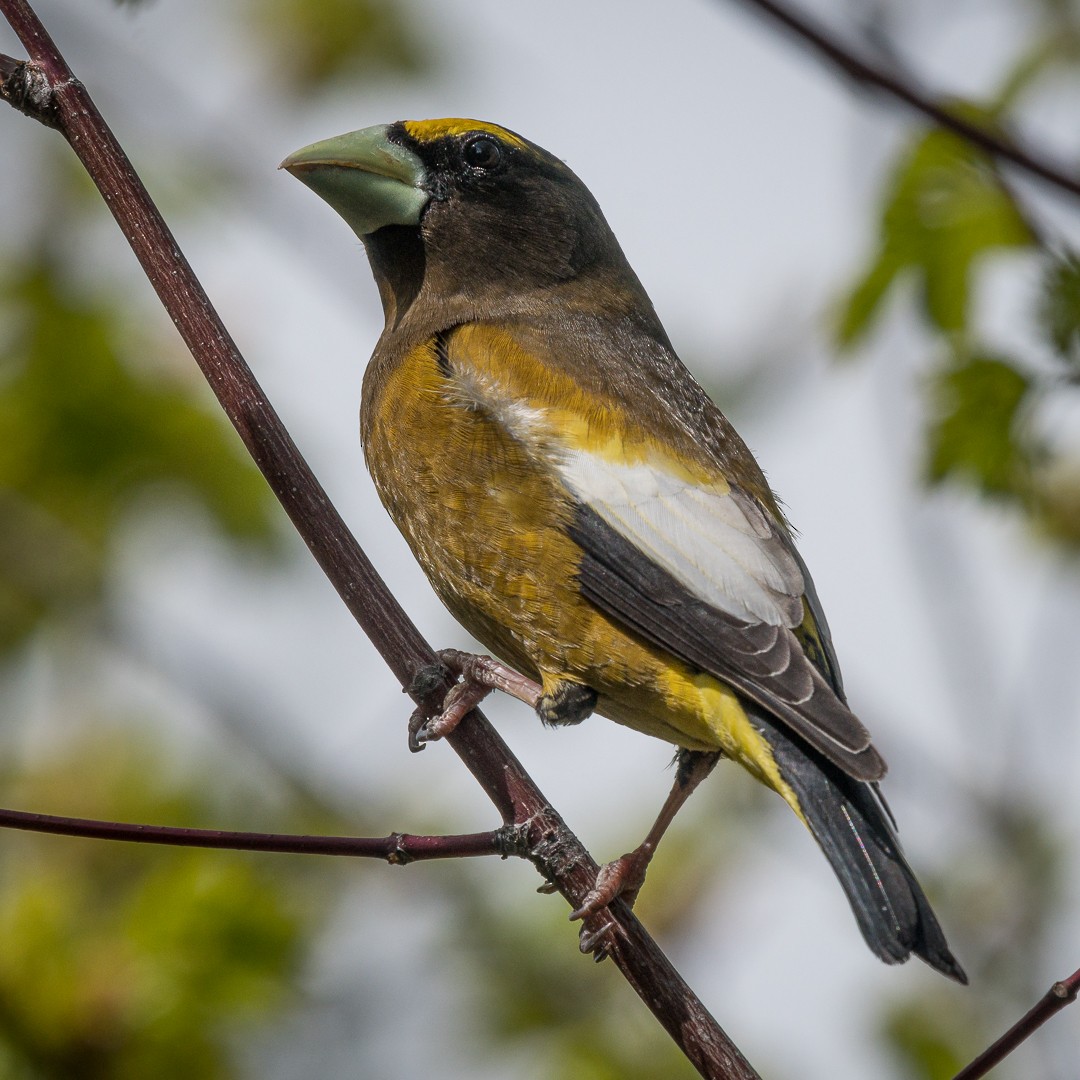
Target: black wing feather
{"x": 760, "y": 661}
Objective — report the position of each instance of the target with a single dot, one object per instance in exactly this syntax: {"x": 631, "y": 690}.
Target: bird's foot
{"x": 479, "y": 675}
{"x": 599, "y": 932}
{"x": 622, "y": 878}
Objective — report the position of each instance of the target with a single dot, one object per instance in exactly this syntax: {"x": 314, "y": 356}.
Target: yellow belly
{"x": 488, "y": 527}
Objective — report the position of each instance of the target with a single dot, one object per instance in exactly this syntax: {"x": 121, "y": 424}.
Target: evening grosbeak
{"x": 581, "y": 505}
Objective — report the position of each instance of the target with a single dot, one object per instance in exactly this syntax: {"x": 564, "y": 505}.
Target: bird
{"x": 583, "y": 507}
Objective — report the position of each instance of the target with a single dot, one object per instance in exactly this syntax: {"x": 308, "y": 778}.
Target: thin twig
{"x": 556, "y": 851}
{"x": 1053, "y": 1001}
{"x": 397, "y": 848}
{"x": 903, "y": 89}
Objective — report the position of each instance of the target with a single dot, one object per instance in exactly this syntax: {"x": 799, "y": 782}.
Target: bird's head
{"x": 478, "y": 220}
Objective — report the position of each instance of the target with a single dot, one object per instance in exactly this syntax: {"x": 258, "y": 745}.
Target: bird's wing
{"x": 714, "y": 540}
{"x": 761, "y": 660}
{"x": 687, "y": 559}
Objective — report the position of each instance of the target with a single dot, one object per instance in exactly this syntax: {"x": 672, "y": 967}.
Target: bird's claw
{"x": 479, "y": 675}
{"x": 621, "y": 878}
{"x": 598, "y": 940}
{"x": 425, "y": 728}
{"x": 417, "y": 724}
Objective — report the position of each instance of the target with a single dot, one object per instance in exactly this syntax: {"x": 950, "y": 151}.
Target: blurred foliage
{"x": 944, "y": 214}
{"x": 1056, "y": 495}
{"x": 945, "y": 218}
{"x": 1010, "y": 890}
{"x": 944, "y": 208}
{"x": 88, "y": 430}
{"x": 924, "y": 1037}
{"x": 973, "y": 434}
{"x": 127, "y": 961}
{"x": 121, "y": 961}
{"x": 1059, "y": 307}
{"x": 536, "y": 997}
{"x": 335, "y": 40}
{"x": 529, "y": 986}
{"x": 315, "y": 45}
{"x": 118, "y": 962}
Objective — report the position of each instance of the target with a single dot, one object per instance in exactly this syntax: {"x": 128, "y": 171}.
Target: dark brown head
{"x": 474, "y": 218}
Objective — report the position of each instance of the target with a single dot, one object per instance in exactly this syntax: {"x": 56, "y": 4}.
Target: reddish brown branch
{"x": 903, "y": 89}
{"x": 555, "y": 850}
{"x": 1053, "y": 1001}
{"x": 398, "y": 848}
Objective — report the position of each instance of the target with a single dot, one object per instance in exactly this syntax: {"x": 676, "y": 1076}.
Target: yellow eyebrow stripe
{"x": 429, "y": 130}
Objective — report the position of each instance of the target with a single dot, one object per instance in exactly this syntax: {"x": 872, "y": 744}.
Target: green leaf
{"x": 944, "y": 209}
{"x": 973, "y": 435}
{"x": 1059, "y": 306}
{"x": 862, "y": 305}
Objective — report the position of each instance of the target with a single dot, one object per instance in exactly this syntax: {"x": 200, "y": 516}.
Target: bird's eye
{"x": 482, "y": 153}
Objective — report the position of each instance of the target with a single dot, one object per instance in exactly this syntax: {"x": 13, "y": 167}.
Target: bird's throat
{"x": 396, "y": 254}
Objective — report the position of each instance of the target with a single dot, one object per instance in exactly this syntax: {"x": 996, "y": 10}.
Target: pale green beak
{"x": 368, "y": 180}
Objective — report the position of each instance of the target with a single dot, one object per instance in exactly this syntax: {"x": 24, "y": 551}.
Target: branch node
{"x": 396, "y": 854}
{"x": 512, "y": 840}
{"x": 25, "y": 86}
{"x": 548, "y": 847}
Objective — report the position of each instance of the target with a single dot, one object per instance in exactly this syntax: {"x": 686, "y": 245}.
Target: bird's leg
{"x": 479, "y": 675}
{"x": 625, "y": 876}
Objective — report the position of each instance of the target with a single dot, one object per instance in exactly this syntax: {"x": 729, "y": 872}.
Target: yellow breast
{"x": 488, "y": 526}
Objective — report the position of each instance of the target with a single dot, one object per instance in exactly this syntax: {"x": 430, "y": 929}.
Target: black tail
{"x": 851, "y": 823}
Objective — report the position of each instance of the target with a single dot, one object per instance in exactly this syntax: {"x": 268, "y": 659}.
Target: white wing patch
{"x": 720, "y": 545}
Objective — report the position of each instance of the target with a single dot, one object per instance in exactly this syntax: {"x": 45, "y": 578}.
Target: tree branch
{"x": 397, "y": 848}
{"x": 1053, "y": 1001}
{"x": 557, "y": 853}
{"x": 902, "y": 88}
